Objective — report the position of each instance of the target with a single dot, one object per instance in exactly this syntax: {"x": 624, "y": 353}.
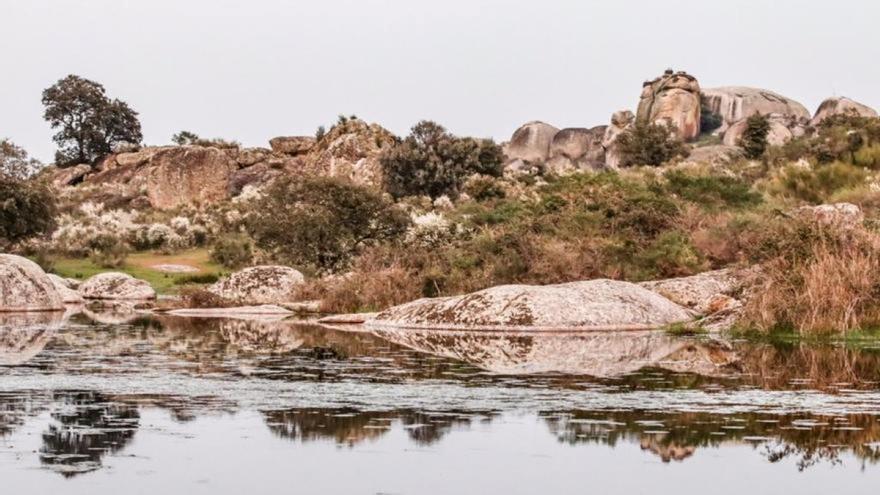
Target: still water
{"x": 114, "y": 402}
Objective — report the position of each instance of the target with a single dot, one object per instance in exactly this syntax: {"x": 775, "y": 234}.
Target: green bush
{"x": 232, "y": 251}
{"x": 483, "y": 188}
{"x": 27, "y": 209}
{"x": 650, "y": 144}
{"x": 199, "y": 279}
{"x": 322, "y": 222}
{"x": 712, "y": 191}
{"x": 433, "y": 162}
{"x": 754, "y": 138}
{"x": 108, "y": 250}
{"x": 816, "y": 184}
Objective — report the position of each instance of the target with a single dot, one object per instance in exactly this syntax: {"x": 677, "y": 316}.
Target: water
{"x": 114, "y": 402}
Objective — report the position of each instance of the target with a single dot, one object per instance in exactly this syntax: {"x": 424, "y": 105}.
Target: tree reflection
{"x": 87, "y": 427}
{"x": 350, "y": 427}
{"x": 809, "y": 439}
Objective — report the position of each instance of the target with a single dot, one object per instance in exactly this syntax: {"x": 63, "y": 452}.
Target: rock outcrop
{"x": 576, "y": 306}
{"x": 259, "y": 285}
{"x": 531, "y": 142}
{"x": 736, "y": 103}
{"x": 24, "y": 286}
{"x": 620, "y": 122}
{"x": 116, "y": 286}
{"x": 673, "y": 98}
{"x": 70, "y": 176}
{"x": 841, "y": 105}
{"x": 188, "y": 175}
{"x": 292, "y": 145}
{"x": 836, "y": 215}
{"x": 705, "y": 293}
{"x": 576, "y": 149}
{"x": 351, "y": 150}
{"x": 68, "y": 295}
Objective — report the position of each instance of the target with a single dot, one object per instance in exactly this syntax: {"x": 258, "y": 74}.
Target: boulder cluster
{"x": 166, "y": 177}
{"x": 675, "y": 99}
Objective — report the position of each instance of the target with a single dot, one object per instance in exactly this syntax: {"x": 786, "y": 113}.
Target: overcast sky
{"x": 251, "y": 70}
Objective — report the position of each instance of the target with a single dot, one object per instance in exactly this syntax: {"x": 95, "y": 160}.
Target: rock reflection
{"x": 675, "y": 437}
{"x": 599, "y": 354}
{"x": 24, "y": 335}
{"x": 87, "y": 427}
{"x": 351, "y": 427}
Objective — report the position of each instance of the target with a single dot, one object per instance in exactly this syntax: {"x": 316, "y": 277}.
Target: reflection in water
{"x": 809, "y": 439}
{"x": 24, "y": 335}
{"x": 350, "y": 427}
{"x": 87, "y": 427}
{"x": 600, "y": 354}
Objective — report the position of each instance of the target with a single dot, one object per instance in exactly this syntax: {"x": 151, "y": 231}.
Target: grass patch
{"x": 140, "y": 265}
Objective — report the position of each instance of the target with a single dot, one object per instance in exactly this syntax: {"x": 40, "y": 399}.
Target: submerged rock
{"x": 24, "y": 286}
{"x": 589, "y": 305}
{"x": 261, "y": 312}
{"x": 268, "y": 284}
{"x": 116, "y": 285}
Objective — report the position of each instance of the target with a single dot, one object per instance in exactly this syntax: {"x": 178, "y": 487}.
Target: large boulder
{"x": 736, "y": 103}
{"x": 292, "y": 145}
{"x": 350, "y": 150}
{"x": 531, "y": 142}
{"x": 188, "y": 175}
{"x": 706, "y": 293}
{"x": 845, "y": 216}
{"x": 70, "y": 176}
{"x": 782, "y": 130}
{"x": 673, "y": 98}
{"x": 256, "y": 175}
{"x": 841, "y": 105}
{"x": 576, "y": 306}
{"x": 116, "y": 286}
{"x": 267, "y": 284}
{"x": 575, "y": 149}
{"x": 24, "y": 286}
{"x": 68, "y": 295}
{"x": 621, "y": 121}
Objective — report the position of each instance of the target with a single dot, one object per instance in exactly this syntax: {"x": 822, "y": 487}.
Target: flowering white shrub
{"x": 433, "y": 229}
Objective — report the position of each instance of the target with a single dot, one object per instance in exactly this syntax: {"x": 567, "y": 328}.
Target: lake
{"x": 113, "y": 402}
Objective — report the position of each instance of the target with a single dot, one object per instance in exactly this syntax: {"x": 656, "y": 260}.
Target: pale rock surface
{"x": 621, "y": 121}
{"x": 589, "y": 305}
{"x": 531, "y": 142}
{"x": 24, "y": 286}
{"x": 70, "y": 176}
{"x": 116, "y": 286}
{"x": 267, "y": 284}
{"x": 782, "y": 130}
{"x": 262, "y": 310}
{"x": 841, "y": 105}
{"x": 673, "y": 98}
{"x": 837, "y": 215}
{"x": 68, "y": 295}
{"x": 24, "y": 335}
{"x": 188, "y": 175}
{"x": 575, "y": 149}
{"x": 350, "y": 150}
{"x": 349, "y": 318}
{"x": 736, "y": 103}
{"x": 703, "y": 292}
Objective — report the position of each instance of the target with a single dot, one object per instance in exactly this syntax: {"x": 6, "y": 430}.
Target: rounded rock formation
{"x": 673, "y": 98}
{"x": 259, "y": 285}
{"x": 620, "y": 122}
{"x": 116, "y": 286}
{"x": 292, "y": 145}
{"x": 531, "y": 142}
{"x": 782, "y": 130}
{"x": 24, "y": 286}
{"x": 592, "y": 305}
{"x": 841, "y": 106}
{"x": 68, "y": 295}
{"x": 736, "y": 103}
{"x": 575, "y": 149}
{"x": 188, "y": 174}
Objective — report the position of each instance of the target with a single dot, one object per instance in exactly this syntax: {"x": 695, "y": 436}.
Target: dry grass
{"x": 834, "y": 289}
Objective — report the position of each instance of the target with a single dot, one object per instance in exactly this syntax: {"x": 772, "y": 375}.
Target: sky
{"x": 252, "y": 70}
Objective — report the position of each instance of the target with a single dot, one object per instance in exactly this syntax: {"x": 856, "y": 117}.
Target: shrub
{"x": 754, "y": 138}
{"x": 322, "y": 222}
{"x": 199, "y": 279}
{"x": 109, "y": 251}
{"x": 815, "y": 184}
{"x": 712, "y": 191}
{"x": 198, "y": 297}
{"x": 483, "y": 188}
{"x": 15, "y": 163}
{"x": 233, "y": 251}
{"x": 709, "y": 120}
{"x": 650, "y": 144}
{"x": 433, "y": 162}
{"x": 27, "y": 209}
